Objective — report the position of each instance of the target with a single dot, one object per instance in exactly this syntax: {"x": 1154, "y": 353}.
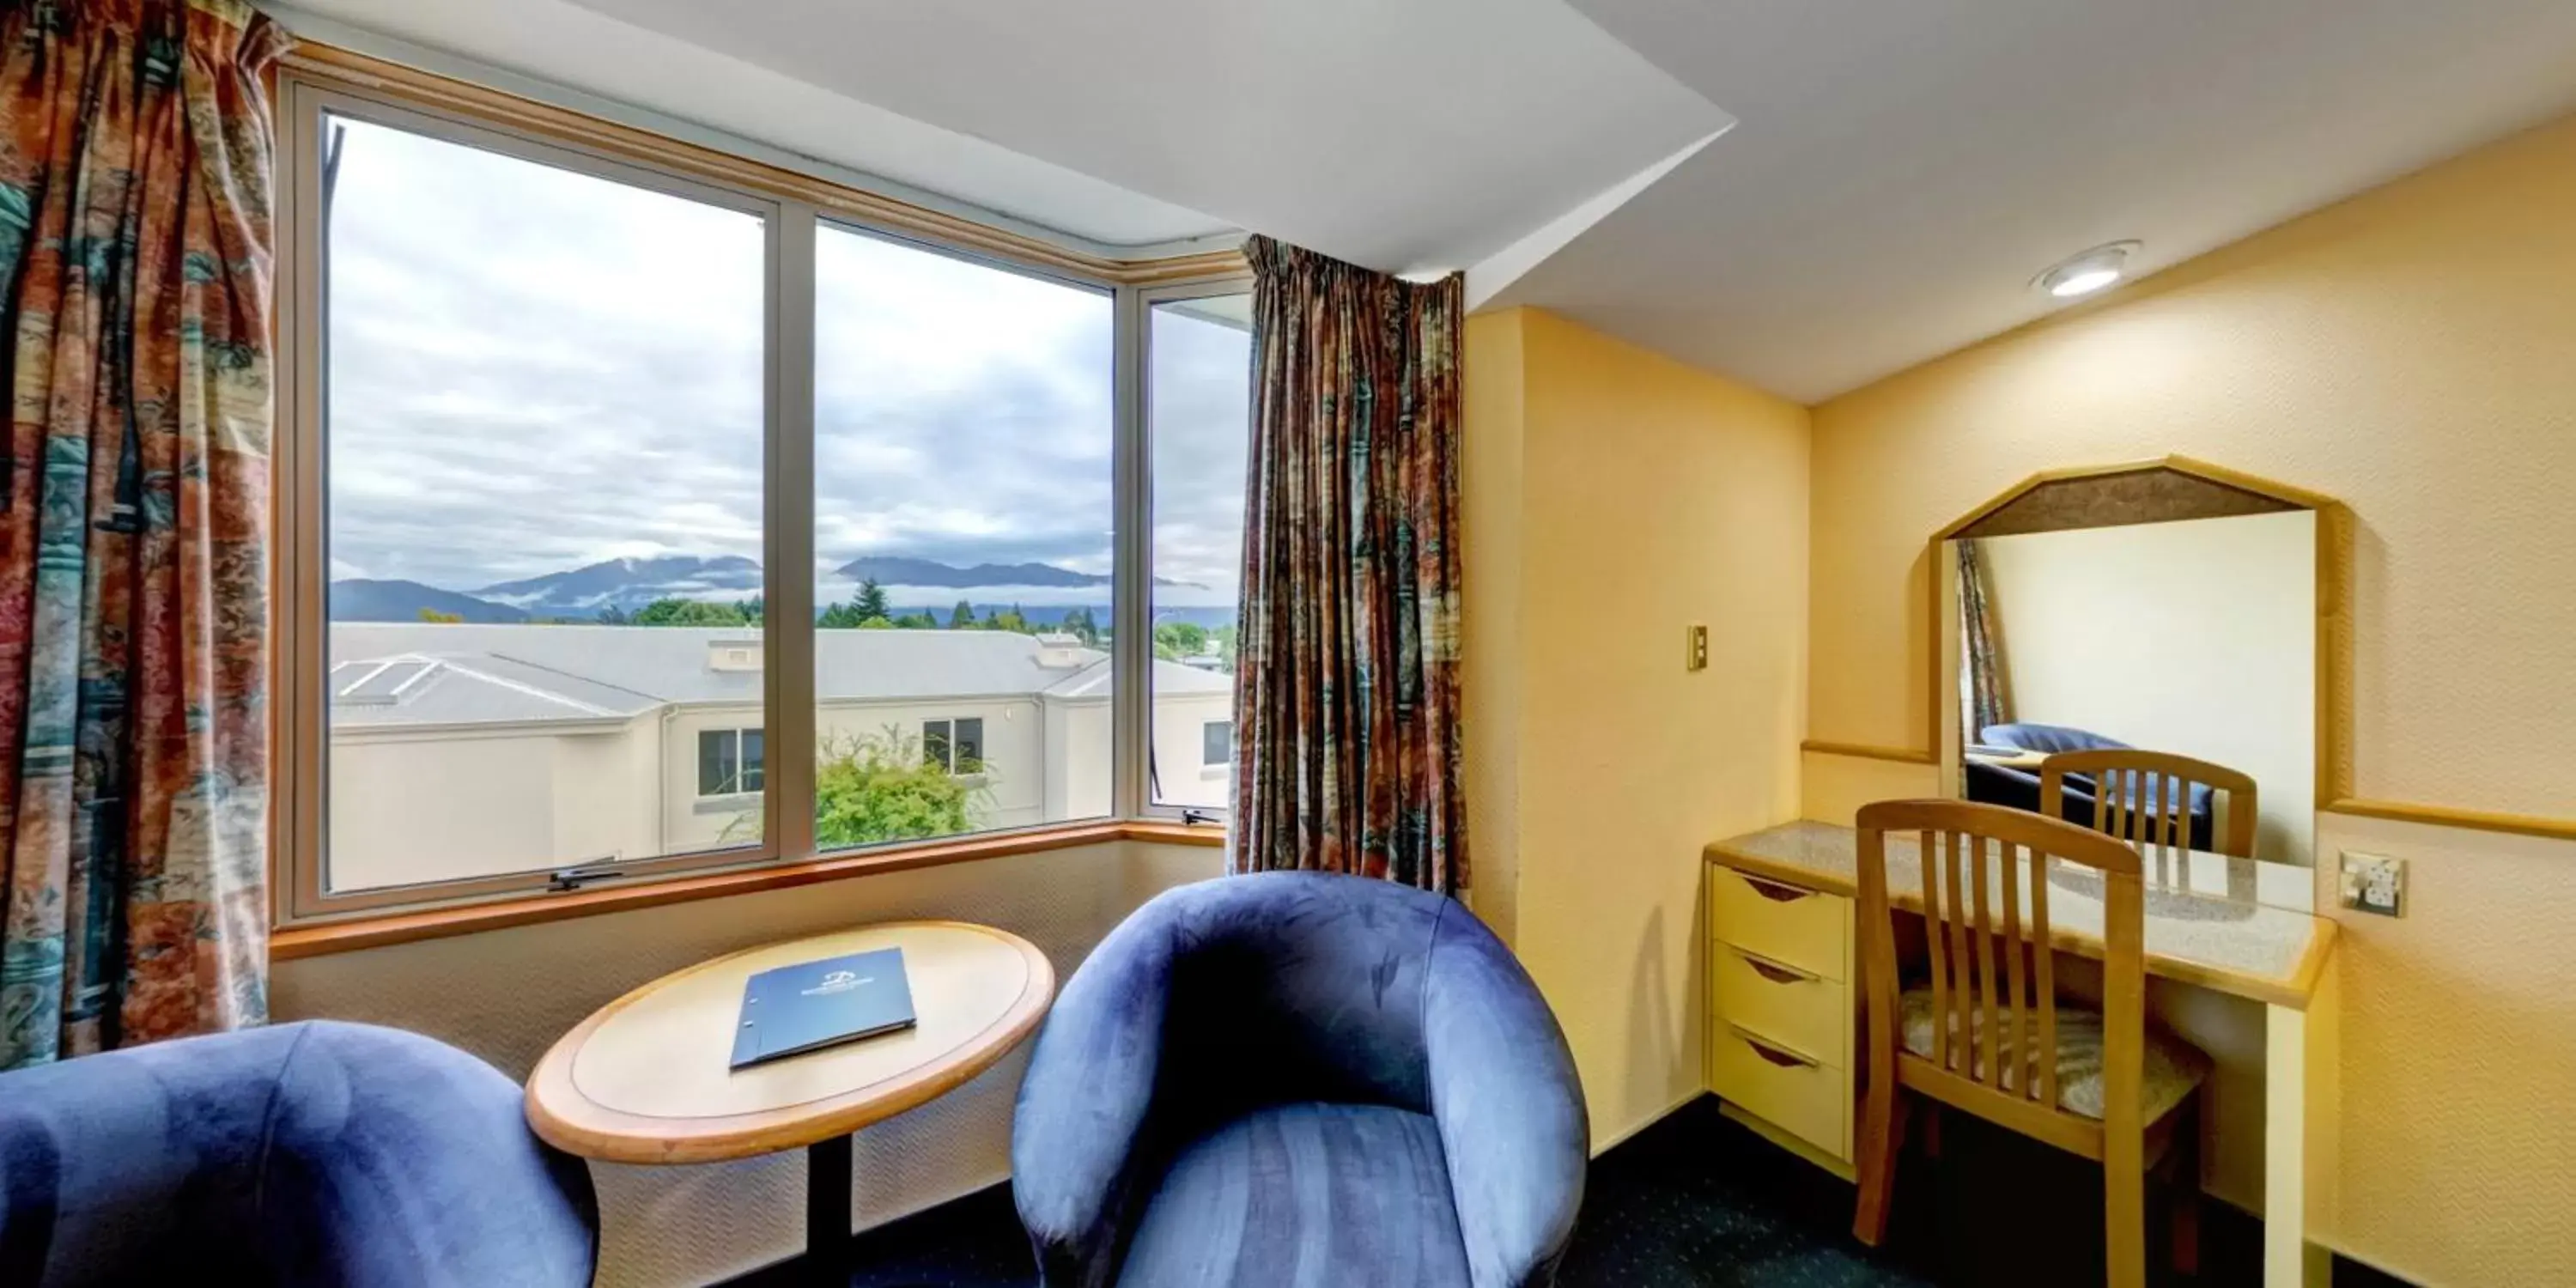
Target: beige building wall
{"x": 2408, "y": 352}
{"x": 543, "y": 797}
{"x": 2197, "y": 638}
{"x": 540, "y": 798}
{"x": 1613, "y": 497}
{"x": 1186, "y": 777}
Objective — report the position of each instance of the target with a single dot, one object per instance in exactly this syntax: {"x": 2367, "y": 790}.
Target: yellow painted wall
{"x": 2413, "y": 352}
{"x": 1613, "y": 497}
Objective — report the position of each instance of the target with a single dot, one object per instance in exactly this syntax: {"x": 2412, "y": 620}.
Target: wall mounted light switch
{"x": 1696, "y": 656}
{"x": 2372, "y": 883}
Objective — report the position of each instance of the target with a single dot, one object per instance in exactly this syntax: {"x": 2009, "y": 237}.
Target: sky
{"x": 532, "y": 369}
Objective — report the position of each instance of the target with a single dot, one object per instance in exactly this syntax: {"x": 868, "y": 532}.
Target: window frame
{"x": 1142, "y": 623}
{"x": 950, "y": 727}
{"x": 316, "y": 80}
{"x": 742, "y": 735}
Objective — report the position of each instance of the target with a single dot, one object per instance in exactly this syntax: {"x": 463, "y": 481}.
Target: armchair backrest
{"x": 2047, "y": 738}
{"x": 305, "y": 1153}
{"x": 1291, "y": 986}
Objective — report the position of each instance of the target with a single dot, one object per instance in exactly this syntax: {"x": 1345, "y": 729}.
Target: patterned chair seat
{"x": 2172, "y": 1066}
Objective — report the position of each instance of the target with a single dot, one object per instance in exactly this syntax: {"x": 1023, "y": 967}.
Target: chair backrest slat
{"x": 2144, "y": 797}
{"x": 1934, "y": 858}
{"x": 2017, "y": 999}
{"x": 1995, "y": 1019}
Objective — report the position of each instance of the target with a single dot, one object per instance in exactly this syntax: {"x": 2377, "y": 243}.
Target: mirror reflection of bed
{"x": 2172, "y": 665}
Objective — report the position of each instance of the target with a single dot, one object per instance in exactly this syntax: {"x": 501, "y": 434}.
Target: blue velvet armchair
{"x": 2019, "y": 789}
{"x": 1299, "y": 1078}
{"x": 317, "y": 1153}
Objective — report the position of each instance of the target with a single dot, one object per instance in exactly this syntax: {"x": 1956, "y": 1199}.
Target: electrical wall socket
{"x": 1695, "y": 648}
{"x": 2373, "y": 883}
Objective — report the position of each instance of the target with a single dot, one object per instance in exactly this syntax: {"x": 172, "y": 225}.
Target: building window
{"x": 729, "y": 762}
{"x": 953, "y": 746}
{"x": 1198, "y": 424}
{"x": 545, "y": 434}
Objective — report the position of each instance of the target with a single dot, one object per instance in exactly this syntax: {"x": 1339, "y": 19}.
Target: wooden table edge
{"x": 568, "y": 1120}
{"x": 2291, "y": 990}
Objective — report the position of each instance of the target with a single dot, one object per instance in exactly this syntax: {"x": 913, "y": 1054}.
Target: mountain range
{"x": 582, "y": 594}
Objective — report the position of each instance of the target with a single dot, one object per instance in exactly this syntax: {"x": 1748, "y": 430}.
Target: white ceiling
{"x": 1409, "y": 135}
{"x": 1899, "y": 173}
{"x": 558, "y": 44}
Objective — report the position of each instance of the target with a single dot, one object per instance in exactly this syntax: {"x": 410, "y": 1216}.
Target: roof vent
{"x": 733, "y": 655}
{"x": 1061, "y": 652}
{"x": 379, "y": 683}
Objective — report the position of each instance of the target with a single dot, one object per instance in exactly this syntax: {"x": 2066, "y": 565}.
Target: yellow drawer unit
{"x": 1788, "y": 1089}
{"x": 1805, "y": 1011}
{"x": 1800, "y": 928}
{"x": 1780, "y": 1043}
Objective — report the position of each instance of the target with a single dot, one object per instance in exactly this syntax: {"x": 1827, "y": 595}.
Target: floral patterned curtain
{"x": 135, "y": 158}
{"x": 1985, "y": 686}
{"x": 1346, "y": 701}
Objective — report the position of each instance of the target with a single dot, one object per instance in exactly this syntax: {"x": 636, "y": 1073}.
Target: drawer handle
{"x": 1774, "y": 971}
{"x": 1779, "y": 1055}
{"x": 1775, "y": 891}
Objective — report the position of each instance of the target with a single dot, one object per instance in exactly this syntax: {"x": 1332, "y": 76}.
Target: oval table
{"x": 646, "y": 1079}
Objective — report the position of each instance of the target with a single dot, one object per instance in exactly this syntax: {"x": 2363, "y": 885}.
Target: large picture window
{"x": 555, "y": 417}
{"x": 543, "y": 440}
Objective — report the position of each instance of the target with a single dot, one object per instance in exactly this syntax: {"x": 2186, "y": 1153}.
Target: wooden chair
{"x": 2145, "y": 797}
{"x": 1987, "y": 1034}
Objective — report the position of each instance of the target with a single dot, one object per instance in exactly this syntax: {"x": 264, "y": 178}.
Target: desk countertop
{"x": 2198, "y": 931}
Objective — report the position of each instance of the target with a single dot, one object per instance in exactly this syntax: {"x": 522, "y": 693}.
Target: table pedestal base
{"x": 827, "y": 1209}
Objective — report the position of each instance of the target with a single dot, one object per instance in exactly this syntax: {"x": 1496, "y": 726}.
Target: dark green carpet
{"x": 1698, "y": 1201}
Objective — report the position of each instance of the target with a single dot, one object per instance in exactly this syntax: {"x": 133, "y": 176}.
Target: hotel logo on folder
{"x": 800, "y": 1008}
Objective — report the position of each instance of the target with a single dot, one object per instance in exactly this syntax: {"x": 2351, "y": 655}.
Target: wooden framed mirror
{"x": 2194, "y": 616}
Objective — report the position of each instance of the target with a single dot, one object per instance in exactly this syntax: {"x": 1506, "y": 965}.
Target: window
{"x": 729, "y": 762}
{"x": 541, "y": 402}
{"x": 962, "y": 520}
{"x": 543, "y": 436}
{"x": 953, "y": 746}
{"x": 1199, "y": 417}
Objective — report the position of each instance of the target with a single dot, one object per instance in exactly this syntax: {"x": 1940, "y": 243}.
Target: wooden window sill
{"x": 316, "y": 939}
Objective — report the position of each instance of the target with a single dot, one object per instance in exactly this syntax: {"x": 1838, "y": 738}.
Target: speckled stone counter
{"x": 2211, "y": 920}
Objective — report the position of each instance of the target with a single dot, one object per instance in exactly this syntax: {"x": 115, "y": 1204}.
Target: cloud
{"x": 534, "y": 369}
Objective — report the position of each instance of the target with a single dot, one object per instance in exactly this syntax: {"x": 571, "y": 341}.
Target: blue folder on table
{"x": 799, "y": 1008}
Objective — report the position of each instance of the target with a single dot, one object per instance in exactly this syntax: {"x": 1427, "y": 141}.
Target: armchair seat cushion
{"x": 1304, "y": 1194}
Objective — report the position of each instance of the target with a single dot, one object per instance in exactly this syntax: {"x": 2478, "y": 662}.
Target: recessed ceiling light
{"x": 2088, "y": 272}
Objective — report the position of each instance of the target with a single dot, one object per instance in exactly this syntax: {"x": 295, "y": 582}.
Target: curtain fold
{"x": 1346, "y": 699}
{"x": 135, "y": 275}
{"x": 1985, "y": 686}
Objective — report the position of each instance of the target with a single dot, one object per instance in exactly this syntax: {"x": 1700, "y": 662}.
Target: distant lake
{"x": 1210, "y": 616}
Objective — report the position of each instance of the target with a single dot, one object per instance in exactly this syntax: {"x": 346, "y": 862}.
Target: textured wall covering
{"x": 1628, "y": 496}
{"x": 2409, "y": 352}
{"x": 508, "y": 994}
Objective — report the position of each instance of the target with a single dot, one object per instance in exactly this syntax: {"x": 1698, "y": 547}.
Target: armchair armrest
{"x": 1076, "y": 1129}
{"x": 1509, "y": 1105}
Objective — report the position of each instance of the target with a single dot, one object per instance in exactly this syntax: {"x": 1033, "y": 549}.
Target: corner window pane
{"x": 962, "y": 521}
{"x": 542, "y": 446}
{"x": 1199, "y": 401}
{"x": 754, "y": 766}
